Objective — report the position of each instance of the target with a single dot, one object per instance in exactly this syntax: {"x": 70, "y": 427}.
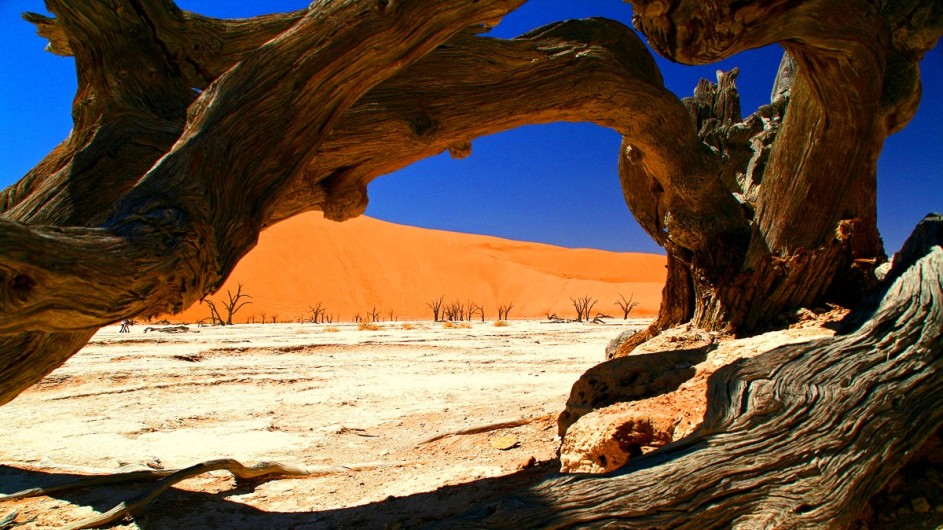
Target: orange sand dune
{"x": 363, "y": 263}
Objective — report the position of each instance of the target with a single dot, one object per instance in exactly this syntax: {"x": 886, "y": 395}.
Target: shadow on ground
{"x": 186, "y": 509}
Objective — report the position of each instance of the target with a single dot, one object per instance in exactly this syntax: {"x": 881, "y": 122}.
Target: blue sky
{"x": 552, "y": 183}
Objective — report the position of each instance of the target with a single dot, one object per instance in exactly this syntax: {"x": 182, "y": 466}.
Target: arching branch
{"x": 119, "y": 133}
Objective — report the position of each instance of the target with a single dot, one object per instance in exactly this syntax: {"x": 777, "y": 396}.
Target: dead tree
{"x": 216, "y": 320}
{"x": 583, "y": 306}
{"x": 455, "y": 311}
{"x": 160, "y": 189}
{"x": 373, "y": 315}
{"x": 318, "y": 313}
{"x": 474, "y": 308}
{"x": 231, "y": 304}
{"x": 626, "y": 305}
{"x": 436, "y": 306}
{"x": 504, "y": 310}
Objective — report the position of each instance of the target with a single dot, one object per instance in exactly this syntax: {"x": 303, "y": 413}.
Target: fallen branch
{"x": 480, "y": 429}
{"x": 169, "y": 329}
{"x": 167, "y": 478}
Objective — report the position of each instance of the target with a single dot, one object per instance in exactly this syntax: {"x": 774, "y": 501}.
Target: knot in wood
{"x": 460, "y": 150}
{"x": 760, "y": 396}
{"x": 19, "y": 288}
{"x": 423, "y": 125}
{"x": 632, "y": 154}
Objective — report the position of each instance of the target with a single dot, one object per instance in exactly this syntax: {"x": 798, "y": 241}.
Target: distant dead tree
{"x": 373, "y": 314}
{"x": 391, "y": 315}
{"x": 455, "y": 311}
{"x": 583, "y": 305}
{"x": 231, "y": 305}
{"x": 263, "y": 316}
{"x": 318, "y": 313}
{"x": 475, "y": 308}
{"x": 626, "y": 305}
{"x": 275, "y": 318}
{"x": 436, "y": 306}
{"x": 503, "y": 311}
{"x": 214, "y": 313}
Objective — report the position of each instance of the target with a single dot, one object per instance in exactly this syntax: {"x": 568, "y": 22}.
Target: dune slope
{"x": 362, "y": 264}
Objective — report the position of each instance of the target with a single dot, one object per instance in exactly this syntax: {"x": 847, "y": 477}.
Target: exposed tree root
{"x": 165, "y": 478}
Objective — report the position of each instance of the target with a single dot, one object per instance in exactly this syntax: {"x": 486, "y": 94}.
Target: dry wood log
{"x": 799, "y": 437}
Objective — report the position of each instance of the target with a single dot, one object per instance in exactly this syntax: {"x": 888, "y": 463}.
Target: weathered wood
{"x": 442, "y": 100}
{"x": 799, "y": 437}
{"x": 810, "y": 201}
{"x": 120, "y": 134}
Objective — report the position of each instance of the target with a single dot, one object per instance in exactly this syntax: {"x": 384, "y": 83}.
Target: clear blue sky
{"x": 552, "y": 183}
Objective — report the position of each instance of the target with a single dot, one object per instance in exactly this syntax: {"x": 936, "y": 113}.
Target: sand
{"x": 364, "y": 264}
{"x": 309, "y": 395}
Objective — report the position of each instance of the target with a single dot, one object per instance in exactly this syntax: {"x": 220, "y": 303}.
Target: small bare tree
{"x": 503, "y": 311}
{"x": 374, "y": 314}
{"x": 583, "y": 305}
{"x": 230, "y": 305}
{"x": 475, "y": 308}
{"x": 436, "y": 306}
{"x": 455, "y": 311}
{"x": 263, "y": 316}
{"x": 626, "y": 305}
{"x": 318, "y": 313}
{"x": 214, "y": 313}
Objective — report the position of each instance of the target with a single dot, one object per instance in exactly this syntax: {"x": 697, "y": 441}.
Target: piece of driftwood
{"x": 263, "y": 471}
{"x": 169, "y": 329}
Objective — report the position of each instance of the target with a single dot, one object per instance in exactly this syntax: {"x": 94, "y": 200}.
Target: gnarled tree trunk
{"x": 799, "y": 437}
{"x": 162, "y": 237}
{"x": 193, "y": 134}
{"x": 803, "y": 168}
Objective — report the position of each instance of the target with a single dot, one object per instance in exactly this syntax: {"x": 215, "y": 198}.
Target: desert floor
{"x": 308, "y": 395}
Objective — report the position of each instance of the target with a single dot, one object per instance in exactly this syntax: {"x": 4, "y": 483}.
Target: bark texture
{"x": 193, "y": 134}
{"x": 802, "y": 168}
{"x": 799, "y": 437}
{"x": 165, "y": 231}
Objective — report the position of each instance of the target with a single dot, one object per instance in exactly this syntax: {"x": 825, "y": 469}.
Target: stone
{"x": 631, "y": 378}
{"x": 605, "y": 439}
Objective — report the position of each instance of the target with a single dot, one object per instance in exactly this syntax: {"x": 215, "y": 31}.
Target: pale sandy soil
{"x": 296, "y": 394}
